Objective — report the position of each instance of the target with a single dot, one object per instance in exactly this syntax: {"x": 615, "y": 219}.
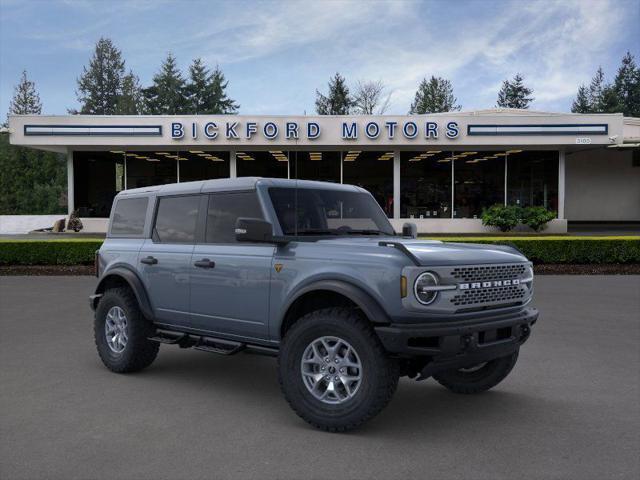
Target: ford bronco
{"x": 312, "y": 273}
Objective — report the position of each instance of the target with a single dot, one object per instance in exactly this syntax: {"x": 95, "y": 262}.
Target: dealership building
{"x": 439, "y": 170}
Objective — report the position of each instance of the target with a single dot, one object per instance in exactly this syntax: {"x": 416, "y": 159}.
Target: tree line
{"x": 106, "y": 88}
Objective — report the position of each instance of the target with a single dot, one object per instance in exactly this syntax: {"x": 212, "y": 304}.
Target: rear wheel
{"x": 121, "y": 332}
{"x": 477, "y": 378}
{"x": 333, "y": 370}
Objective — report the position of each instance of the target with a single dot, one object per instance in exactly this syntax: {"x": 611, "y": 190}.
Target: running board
{"x": 220, "y": 346}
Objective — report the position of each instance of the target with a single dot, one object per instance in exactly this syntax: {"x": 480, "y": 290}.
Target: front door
{"x": 165, "y": 259}
{"x": 230, "y": 281}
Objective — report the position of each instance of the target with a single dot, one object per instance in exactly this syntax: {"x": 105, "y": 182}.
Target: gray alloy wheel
{"x": 331, "y": 370}
{"x": 115, "y": 329}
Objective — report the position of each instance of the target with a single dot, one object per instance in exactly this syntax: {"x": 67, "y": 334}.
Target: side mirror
{"x": 410, "y": 230}
{"x": 254, "y": 230}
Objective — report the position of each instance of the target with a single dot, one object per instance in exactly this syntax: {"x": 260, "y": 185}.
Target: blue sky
{"x": 275, "y": 54}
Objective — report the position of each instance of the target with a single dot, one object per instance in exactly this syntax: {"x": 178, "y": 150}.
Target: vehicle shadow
{"x": 416, "y": 406}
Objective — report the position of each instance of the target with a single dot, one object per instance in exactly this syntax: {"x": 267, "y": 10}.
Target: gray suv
{"x": 312, "y": 273}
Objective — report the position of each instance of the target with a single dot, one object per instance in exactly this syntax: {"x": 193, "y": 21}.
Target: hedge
{"x": 566, "y": 249}
{"x": 48, "y": 252}
{"x": 549, "y": 249}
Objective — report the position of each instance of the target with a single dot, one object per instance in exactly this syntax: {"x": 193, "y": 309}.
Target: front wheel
{"x": 477, "y": 378}
{"x": 333, "y": 370}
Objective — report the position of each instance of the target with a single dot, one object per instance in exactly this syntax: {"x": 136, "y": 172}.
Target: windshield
{"x": 307, "y": 211}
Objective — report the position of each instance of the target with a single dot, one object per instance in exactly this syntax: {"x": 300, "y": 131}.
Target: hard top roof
{"x": 231, "y": 184}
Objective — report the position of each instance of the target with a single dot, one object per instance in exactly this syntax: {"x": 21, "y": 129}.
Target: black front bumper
{"x": 449, "y": 345}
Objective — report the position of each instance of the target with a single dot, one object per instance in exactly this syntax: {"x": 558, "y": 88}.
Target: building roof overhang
{"x": 478, "y": 128}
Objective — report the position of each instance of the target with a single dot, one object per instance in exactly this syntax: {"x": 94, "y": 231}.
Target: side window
{"x": 129, "y": 215}
{"x": 224, "y": 210}
{"x": 176, "y": 219}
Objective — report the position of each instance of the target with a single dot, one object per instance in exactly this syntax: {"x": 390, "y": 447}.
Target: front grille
{"x": 509, "y": 294}
{"x": 489, "y": 272}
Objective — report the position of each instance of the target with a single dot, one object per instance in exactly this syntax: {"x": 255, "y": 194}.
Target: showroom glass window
{"x": 98, "y": 177}
{"x": 372, "y": 171}
{"x": 268, "y": 164}
{"x": 196, "y": 165}
{"x": 478, "y": 182}
{"x": 425, "y": 185}
{"x": 145, "y": 169}
{"x": 317, "y": 165}
{"x": 532, "y": 179}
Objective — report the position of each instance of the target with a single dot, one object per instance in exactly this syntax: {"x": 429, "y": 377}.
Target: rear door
{"x": 165, "y": 258}
{"x": 230, "y": 281}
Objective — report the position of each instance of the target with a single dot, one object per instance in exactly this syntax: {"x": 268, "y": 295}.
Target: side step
{"x": 220, "y": 346}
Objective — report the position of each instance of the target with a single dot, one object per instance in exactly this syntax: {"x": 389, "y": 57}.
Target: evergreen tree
{"x": 433, "y": 96}
{"x": 31, "y": 181}
{"x": 338, "y": 101}
{"x": 196, "y": 89}
{"x": 218, "y": 100}
{"x": 130, "y": 101}
{"x": 25, "y": 99}
{"x": 514, "y": 94}
{"x": 596, "y": 91}
{"x": 167, "y": 95}
{"x": 627, "y": 86}
{"x": 99, "y": 86}
{"x": 206, "y": 91}
{"x": 581, "y": 104}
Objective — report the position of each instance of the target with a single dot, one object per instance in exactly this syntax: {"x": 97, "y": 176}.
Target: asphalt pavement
{"x": 570, "y": 409}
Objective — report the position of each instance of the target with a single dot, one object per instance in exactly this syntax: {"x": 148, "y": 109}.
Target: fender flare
{"x": 134, "y": 282}
{"x": 370, "y": 307}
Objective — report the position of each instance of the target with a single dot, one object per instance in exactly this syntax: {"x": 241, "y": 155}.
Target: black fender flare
{"x": 369, "y": 306}
{"x": 134, "y": 282}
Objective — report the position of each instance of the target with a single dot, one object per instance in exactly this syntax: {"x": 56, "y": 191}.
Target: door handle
{"x": 149, "y": 260}
{"x": 205, "y": 263}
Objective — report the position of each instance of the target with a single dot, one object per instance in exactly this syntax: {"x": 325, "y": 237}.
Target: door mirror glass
{"x": 253, "y": 230}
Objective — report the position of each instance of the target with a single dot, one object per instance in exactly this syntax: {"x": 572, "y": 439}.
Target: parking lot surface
{"x": 570, "y": 408}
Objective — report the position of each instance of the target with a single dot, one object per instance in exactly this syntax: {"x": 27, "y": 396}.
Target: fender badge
{"x": 278, "y": 267}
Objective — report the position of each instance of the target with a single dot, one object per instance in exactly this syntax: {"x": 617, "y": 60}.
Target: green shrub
{"x": 503, "y": 217}
{"x": 48, "y": 252}
{"x": 536, "y": 217}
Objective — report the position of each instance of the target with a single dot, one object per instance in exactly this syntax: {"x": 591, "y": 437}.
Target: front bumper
{"x": 449, "y": 345}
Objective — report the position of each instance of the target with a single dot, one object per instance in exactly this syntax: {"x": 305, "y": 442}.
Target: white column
{"x": 453, "y": 185}
{"x": 71, "y": 204}
{"x": 233, "y": 173}
{"x": 561, "y": 176}
{"x": 396, "y": 184}
{"x": 177, "y": 170}
{"x": 506, "y": 169}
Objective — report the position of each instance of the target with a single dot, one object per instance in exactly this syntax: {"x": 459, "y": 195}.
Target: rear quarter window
{"x": 128, "y": 216}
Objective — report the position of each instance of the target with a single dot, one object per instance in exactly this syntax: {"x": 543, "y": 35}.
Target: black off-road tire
{"x": 481, "y": 380}
{"x": 139, "y": 352}
{"x": 379, "y": 372}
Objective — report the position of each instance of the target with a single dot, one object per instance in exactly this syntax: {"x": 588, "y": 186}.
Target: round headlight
{"x": 423, "y": 288}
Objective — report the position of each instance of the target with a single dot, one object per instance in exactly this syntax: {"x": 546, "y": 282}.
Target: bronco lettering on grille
{"x": 494, "y": 283}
